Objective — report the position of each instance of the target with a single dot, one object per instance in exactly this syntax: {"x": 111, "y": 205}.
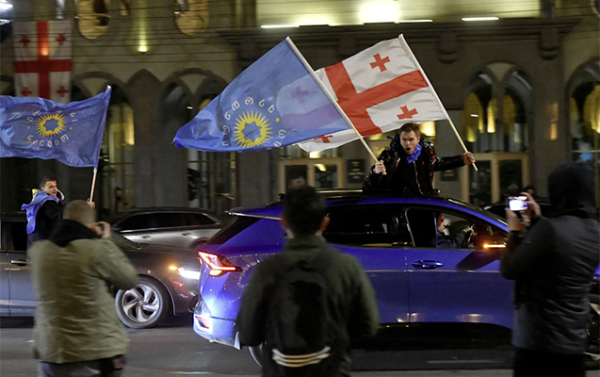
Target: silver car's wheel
{"x": 144, "y": 306}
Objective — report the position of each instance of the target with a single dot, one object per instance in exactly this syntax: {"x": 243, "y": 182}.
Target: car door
{"x": 136, "y": 227}
{"x": 21, "y": 293}
{"x": 199, "y": 228}
{"x": 157, "y": 228}
{"x": 4, "y": 267}
{"x": 455, "y": 284}
{"x": 372, "y": 234}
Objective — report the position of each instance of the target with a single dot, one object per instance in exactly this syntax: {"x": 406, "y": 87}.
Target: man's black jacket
{"x": 553, "y": 266}
{"x": 45, "y": 221}
{"x": 414, "y": 178}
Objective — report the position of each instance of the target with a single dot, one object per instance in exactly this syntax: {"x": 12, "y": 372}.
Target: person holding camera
{"x": 77, "y": 331}
{"x": 408, "y": 165}
{"x": 552, "y": 261}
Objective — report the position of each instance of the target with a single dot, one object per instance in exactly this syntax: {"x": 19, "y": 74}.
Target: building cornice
{"x": 371, "y": 33}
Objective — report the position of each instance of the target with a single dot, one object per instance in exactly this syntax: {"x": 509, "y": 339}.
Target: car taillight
{"x": 218, "y": 264}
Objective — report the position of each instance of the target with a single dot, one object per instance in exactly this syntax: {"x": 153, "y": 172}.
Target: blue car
{"x": 431, "y": 260}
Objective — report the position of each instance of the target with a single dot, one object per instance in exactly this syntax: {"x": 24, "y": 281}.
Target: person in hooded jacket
{"x": 553, "y": 265}
{"x": 407, "y": 167}
{"x": 44, "y": 210}
{"x": 77, "y": 332}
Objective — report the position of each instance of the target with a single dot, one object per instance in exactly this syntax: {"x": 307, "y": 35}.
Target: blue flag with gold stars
{"x": 274, "y": 102}
{"x": 71, "y": 133}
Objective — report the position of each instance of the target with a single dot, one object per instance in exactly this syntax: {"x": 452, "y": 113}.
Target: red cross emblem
{"x": 26, "y": 92}
{"x": 25, "y": 40}
{"x": 407, "y": 114}
{"x": 299, "y": 94}
{"x": 380, "y": 63}
{"x": 324, "y": 138}
{"x": 61, "y": 38}
{"x": 43, "y": 66}
{"x": 355, "y": 104}
{"x": 62, "y": 91}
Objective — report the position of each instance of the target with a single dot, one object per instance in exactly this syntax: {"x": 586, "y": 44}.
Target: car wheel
{"x": 257, "y": 354}
{"x": 144, "y": 306}
{"x": 592, "y": 355}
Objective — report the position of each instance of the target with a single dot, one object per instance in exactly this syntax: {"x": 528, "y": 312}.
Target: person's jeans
{"x": 530, "y": 363}
{"x": 112, "y": 367}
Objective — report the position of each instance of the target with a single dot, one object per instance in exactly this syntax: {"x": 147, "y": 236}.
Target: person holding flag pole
{"x": 379, "y": 90}
{"x": 39, "y": 128}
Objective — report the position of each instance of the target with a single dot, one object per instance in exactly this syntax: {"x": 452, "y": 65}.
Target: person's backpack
{"x": 305, "y": 336}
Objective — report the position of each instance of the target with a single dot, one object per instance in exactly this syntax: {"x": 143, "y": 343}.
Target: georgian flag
{"x": 379, "y": 89}
{"x": 43, "y": 59}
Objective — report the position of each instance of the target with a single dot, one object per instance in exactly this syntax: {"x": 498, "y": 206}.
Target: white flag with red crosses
{"x": 43, "y": 59}
{"x": 379, "y": 89}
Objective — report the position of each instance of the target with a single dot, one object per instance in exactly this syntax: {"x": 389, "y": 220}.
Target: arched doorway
{"x": 494, "y": 124}
{"x": 584, "y": 118}
{"x": 116, "y": 174}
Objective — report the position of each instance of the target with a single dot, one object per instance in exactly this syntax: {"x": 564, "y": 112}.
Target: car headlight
{"x": 188, "y": 273}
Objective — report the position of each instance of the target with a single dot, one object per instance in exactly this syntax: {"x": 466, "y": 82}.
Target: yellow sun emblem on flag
{"x": 252, "y": 129}
{"x": 43, "y": 130}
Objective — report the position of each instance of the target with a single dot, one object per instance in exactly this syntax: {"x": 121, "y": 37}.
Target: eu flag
{"x": 274, "y": 102}
{"x": 40, "y": 128}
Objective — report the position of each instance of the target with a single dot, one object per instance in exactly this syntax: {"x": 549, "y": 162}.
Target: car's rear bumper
{"x": 223, "y": 332}
{"x": 218, "y": 330}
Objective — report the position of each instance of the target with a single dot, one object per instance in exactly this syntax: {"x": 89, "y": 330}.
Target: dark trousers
{"x": 112, "y": 367}
{"x": 530, "y": 363}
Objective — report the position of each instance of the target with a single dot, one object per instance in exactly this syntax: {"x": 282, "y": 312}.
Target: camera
{"x": 517, "y": 203}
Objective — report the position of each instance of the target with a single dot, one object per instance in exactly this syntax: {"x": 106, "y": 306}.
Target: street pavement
{"x": 175, "y": 350}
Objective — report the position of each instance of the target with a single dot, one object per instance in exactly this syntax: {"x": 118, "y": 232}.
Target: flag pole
{"x": 93, "y": 185}
{"x": 414, "y": 59}
{"x": 324, "y": 89}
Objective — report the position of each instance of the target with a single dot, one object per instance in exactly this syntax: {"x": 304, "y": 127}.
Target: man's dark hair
{"x": 46, "y": 178}
{"x": 530, "y": 187}
{"x": 410, "y": 127}
{"x": 304, "y": 210}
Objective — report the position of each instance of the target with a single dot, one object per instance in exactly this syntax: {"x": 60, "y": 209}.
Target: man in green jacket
{"x": 304, "y": 219}
{"x": 77, "y": 331}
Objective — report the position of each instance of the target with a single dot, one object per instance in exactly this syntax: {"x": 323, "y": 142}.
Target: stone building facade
{"x": 522, "y": 92}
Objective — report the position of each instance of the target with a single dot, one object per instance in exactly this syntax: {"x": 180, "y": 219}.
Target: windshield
{"x": 473, "y": 207}
{"x": 123, "y": 242}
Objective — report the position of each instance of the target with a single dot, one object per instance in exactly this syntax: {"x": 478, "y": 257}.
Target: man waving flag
{"x": 379, "y": 89}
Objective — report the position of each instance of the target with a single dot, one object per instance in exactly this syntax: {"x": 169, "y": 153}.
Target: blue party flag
{"x": 71, "y": 133}
{"x": 275, "y": 102}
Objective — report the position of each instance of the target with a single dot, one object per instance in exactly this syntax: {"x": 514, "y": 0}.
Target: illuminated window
{"x": 60, "y": 9}
{"x": 6, "y": 18}
{"x": 487, "y": 129}
{"x": 211, "y": 176}
{"x": 117, "y": 172}
{"x": 191, "y": 16}
{"x": 92, "y": 17}
{"x": 584, "y": 119}
{"x": 124, "y": 8}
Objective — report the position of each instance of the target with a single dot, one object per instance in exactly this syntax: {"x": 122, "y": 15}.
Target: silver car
{"x": 179, "y": 227}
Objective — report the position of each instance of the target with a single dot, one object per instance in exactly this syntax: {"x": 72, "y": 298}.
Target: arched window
{"x": 6, "y": 18}
{"x": 584, "y": 104}
{"x": 191, "y": 16}
{"x": 212, "y": 178}
{"x": 494, "y": 125}
{"x": 116, "y": 171}
{"x": 92, "y": 17}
